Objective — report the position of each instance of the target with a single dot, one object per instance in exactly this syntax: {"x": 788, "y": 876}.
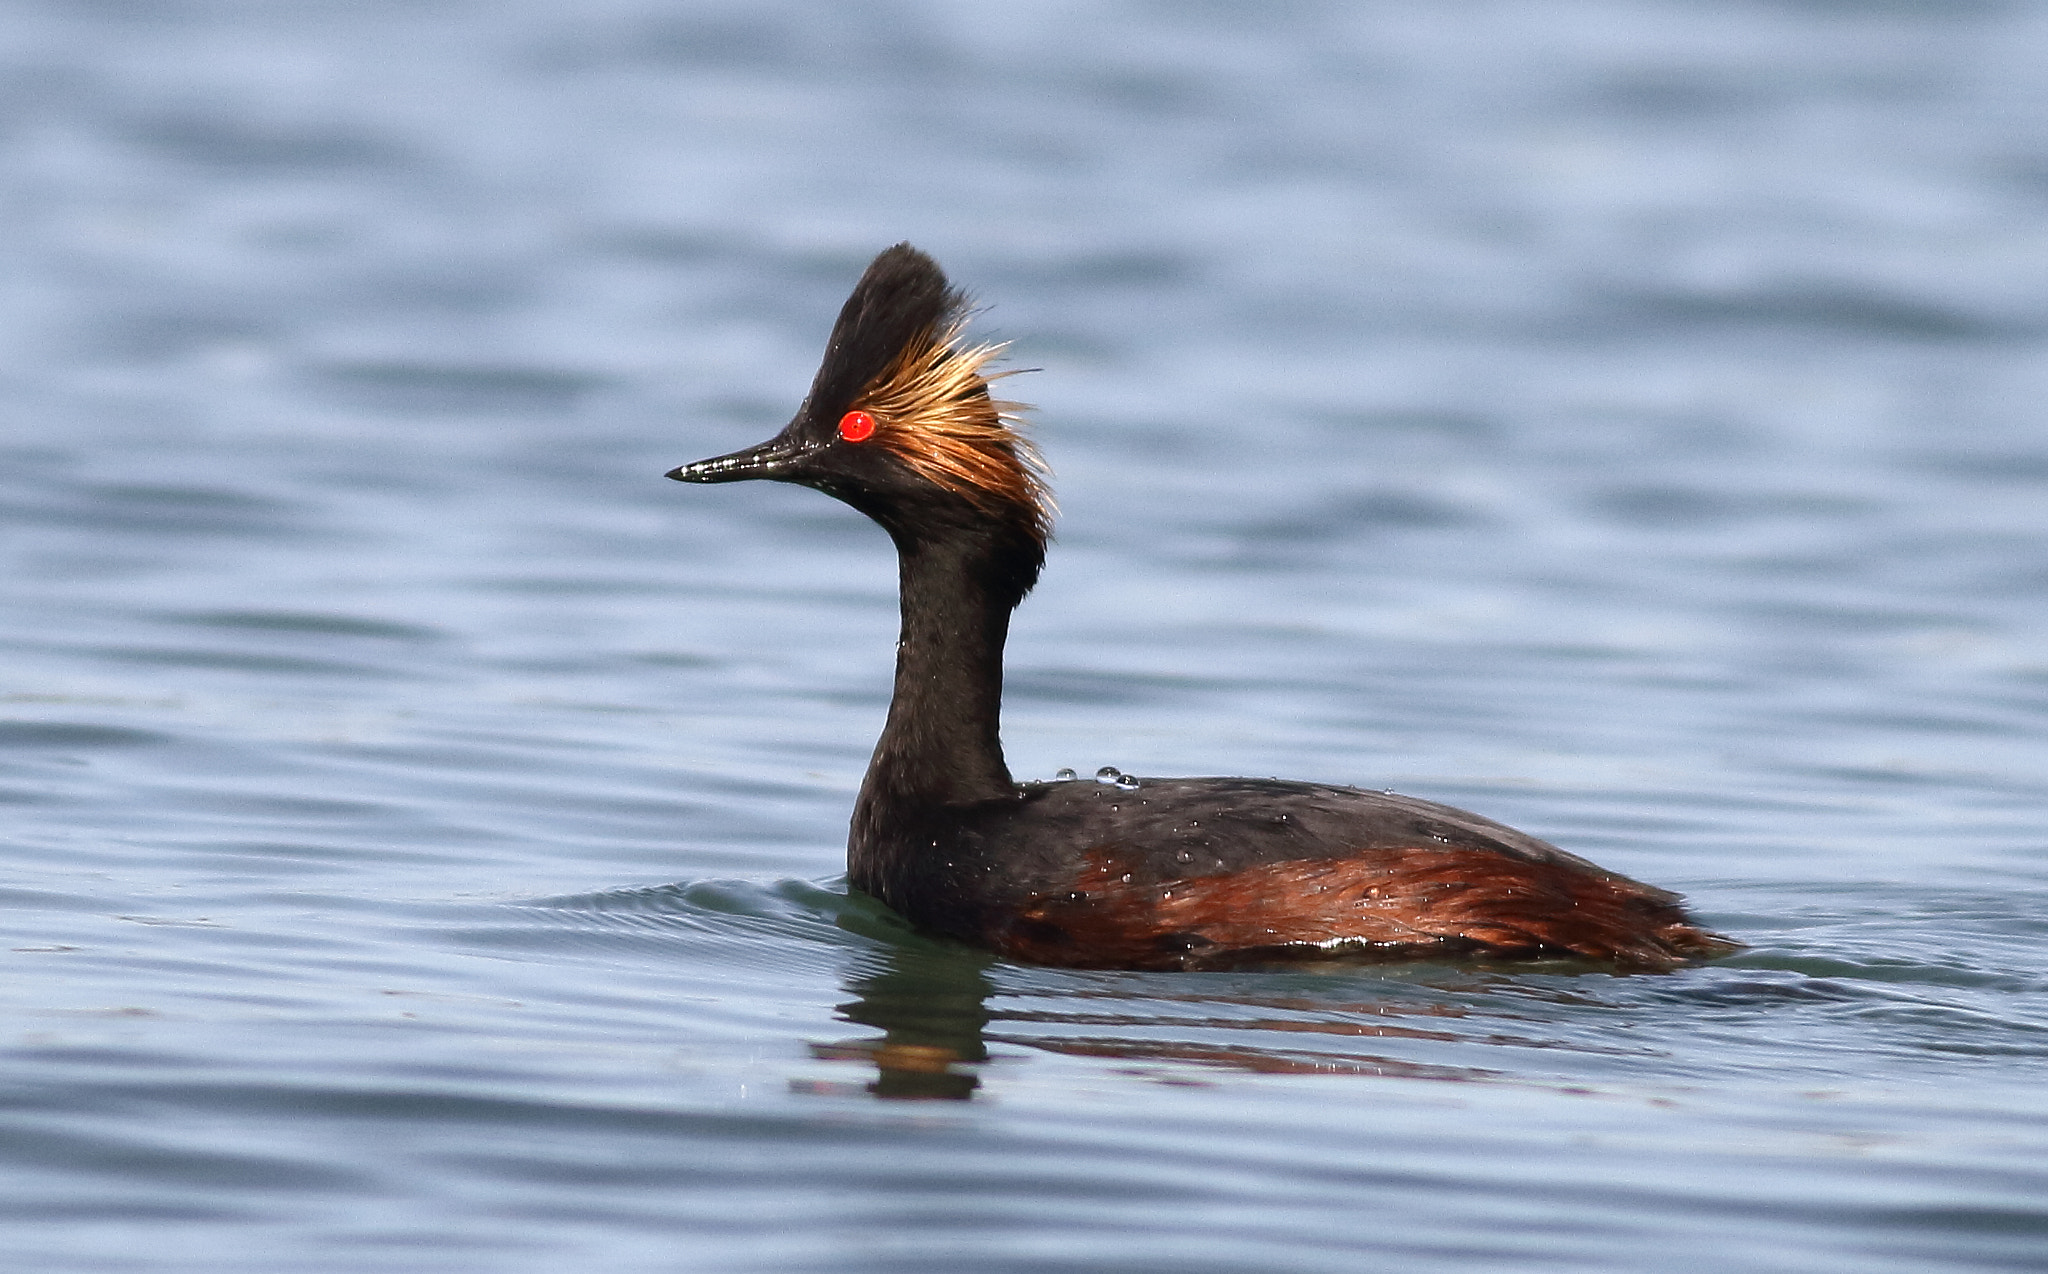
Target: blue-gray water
{"x": 422, "y": 823}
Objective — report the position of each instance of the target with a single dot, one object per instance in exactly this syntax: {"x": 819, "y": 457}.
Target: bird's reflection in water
{"x": 933, "y": 1007}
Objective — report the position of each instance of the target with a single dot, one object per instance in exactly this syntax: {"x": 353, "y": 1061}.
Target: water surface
{"x": 424, "y": 825}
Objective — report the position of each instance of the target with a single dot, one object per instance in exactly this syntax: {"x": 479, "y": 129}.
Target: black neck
{"x": 941, "y": 749}
{"x": 942, "y": 743}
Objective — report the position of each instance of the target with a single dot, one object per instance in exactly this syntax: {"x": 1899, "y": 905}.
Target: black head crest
{"x": 901, "y": 298}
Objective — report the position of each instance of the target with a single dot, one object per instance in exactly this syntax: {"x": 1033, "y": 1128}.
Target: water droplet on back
{"x": 1108, "y": 774}
{"x": 1064, "y": 773}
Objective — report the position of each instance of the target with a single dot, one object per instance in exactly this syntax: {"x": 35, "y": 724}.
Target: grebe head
{"x": 899, "y": 422}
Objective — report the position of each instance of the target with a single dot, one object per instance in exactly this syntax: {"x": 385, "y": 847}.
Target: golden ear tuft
{"x": 933, "y": 412}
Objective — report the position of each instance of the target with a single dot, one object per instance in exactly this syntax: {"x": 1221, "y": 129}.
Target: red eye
{"x": 856, "y": 426}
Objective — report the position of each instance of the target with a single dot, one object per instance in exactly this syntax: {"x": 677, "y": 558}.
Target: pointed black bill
{"x": 770, "y": 459}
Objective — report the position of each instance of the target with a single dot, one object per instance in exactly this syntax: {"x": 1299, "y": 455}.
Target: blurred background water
{"x": 423, "y": 824}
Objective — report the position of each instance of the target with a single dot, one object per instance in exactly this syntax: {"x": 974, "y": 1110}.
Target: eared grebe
{"x": 1146, "y": 873}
